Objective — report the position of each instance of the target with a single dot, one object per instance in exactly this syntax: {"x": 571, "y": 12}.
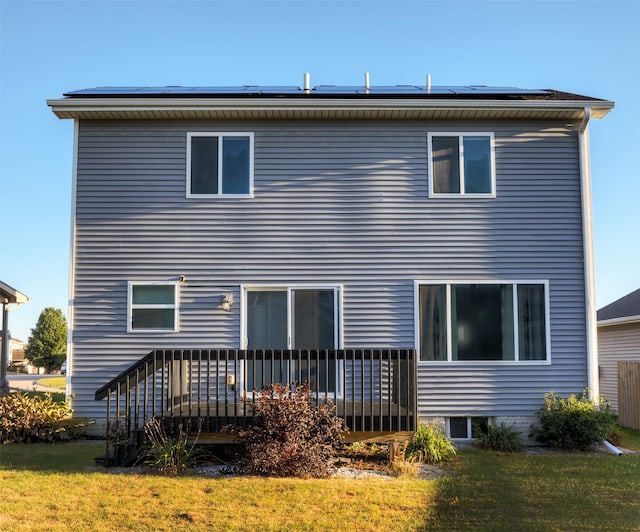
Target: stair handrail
{"x": 121, "y": 379}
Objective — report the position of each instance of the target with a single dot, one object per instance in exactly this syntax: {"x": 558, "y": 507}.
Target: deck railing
{"x": 374, "y": 390}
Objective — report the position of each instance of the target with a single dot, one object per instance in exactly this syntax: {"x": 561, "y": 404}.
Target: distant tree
{"x": 47, "y": 346}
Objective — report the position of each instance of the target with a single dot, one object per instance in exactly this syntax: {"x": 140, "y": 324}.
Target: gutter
{"x": 589, "y": 263}
{"x": 624, "y": 320}
{"x": 124, "y": 106}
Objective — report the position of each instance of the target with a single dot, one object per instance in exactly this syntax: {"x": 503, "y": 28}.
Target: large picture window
{"x": 482, "y": 322}
{"x": 153, "y": 307}
{"x": 461, "y": 164}
{"x": 219, "y": 164}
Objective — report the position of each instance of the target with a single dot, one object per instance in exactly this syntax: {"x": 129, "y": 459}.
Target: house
{"x": 10, "y": 298}
{"x": 16, "y": 352}
{"x": 15, "y": 355}
{"x": 618, "y": 341}
{"x": 416, "y": 253}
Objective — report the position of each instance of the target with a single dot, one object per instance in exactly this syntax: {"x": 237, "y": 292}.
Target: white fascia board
{"x": 67, "y": 107}
{"x": 624, "y": 320}
{"x": 12, "y": 295}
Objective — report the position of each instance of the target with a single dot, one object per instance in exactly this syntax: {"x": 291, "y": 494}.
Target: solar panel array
{"x": 320, "y": 90}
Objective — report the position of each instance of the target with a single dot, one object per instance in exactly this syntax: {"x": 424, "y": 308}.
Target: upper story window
{"x": 219, "y": 164}
{"x": 153, "y": 306}
{"x": 461, "y": 164}
{"x": 473, "y": 322}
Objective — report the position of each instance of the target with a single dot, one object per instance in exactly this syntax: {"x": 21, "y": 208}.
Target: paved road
{"x": 28, "y": 382}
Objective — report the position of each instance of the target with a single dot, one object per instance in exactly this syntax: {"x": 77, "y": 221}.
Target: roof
{"x": 330, "y": 91}
{"x": 623, "y": 310}
{"x": 11, "y": 295}
{"x": 325, "y": 102}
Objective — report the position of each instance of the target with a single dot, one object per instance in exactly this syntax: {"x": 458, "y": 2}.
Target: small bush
{"x": 501, "y": 438}
{"x": 167, "y": 454}
{"x": 428, "y": 444}
{"x": 576, "y": 423}
{"x": 289, "y": 436}
{"x": 26, "y": 418}
{"x": 404, "y": 468}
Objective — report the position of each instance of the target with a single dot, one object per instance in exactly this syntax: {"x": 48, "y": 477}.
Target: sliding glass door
{"x": 292, "y": 318}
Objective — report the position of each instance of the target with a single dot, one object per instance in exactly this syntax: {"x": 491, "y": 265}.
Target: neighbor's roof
{"x": 11, "y": 295}
{"x": 624, "y": 310}
{"x": 325, "y": 102}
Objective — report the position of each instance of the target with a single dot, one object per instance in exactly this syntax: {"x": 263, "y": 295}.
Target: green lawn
{"x": 559, "y": 491}
{"x": 59, "y": 383}
{"x": 630, "y": 439}
{"x": 55, "y": 487}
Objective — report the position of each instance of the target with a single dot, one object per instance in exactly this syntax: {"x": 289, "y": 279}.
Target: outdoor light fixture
{"x": 227, "y": 300}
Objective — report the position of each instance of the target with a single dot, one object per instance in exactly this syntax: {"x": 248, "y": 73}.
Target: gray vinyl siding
{"x": 342, "y": 203}
{"x": 616, "y": 343}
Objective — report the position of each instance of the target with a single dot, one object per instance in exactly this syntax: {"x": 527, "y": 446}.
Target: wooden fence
{"x": 629, "y": 394}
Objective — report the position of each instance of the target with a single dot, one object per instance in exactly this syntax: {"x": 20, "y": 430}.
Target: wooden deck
{"x": 358, "y": 416}
{"x": 374, "y": 390}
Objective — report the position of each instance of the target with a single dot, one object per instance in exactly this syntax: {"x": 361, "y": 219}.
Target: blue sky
{"x": 50, "y": 47}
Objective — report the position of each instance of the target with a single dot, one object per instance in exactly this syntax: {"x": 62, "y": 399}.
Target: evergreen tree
{"x": 47, "y": 346}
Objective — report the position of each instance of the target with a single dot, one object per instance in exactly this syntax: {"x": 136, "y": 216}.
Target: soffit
{"x": 320, "y": 109}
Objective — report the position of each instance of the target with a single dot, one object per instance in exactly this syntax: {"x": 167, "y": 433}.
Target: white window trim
{"x": 338, "y": 290}
{"x": 131, "y": 306}
{"x": 220, "y": 135}
{"x": 461, "y": 135}
{"x": 483, "y": 363}
{"x": 490, "y": 422}
{"x": 290, "y": 288}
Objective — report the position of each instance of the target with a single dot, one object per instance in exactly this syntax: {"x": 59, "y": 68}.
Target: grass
{"x": 630, "y": 438}
{"x": 54, "y": 382}
{"x": 58, "y": 397}
{"x": 55, "y": 487}
{"x": 48, "y": 498}
{"x": 531, "y": 492}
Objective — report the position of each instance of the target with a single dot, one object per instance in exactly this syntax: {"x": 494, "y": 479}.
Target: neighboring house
{"x": 9, "y": 298}
{"x": 15, "y": 357}
{"x": 414, "y": 253}
{"x": 618, "y": 341}
{"x": 16, "y": 352}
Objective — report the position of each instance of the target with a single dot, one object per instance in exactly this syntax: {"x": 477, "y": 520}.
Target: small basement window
{"x": 461, "y": 164}
{"x": 219, "y": 164}
{"x": 464, "y": 428}
{"x": 153, "y": 307}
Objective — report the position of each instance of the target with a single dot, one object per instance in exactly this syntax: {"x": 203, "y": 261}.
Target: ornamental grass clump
{"x": 26, "y": 418}
{"x": 501, "y": 438}
{"x": 168, "y": 454}
{"x": 575, "y": 423}
{"x": 429, "y": 445}
{"x": 289, "y": 437}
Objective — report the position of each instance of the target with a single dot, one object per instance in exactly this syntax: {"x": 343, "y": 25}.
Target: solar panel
{"x": 319, "y": 90}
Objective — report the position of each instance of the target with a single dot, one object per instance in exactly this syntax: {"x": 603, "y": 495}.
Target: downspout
{"x": 589, "y": 264}
{"x": 72, "y": 259}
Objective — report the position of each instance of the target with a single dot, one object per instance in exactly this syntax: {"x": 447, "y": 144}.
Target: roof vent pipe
{"x": 428, "y": 83}
{"x": 367, "y": 86}
{"x": 307, "y": 78}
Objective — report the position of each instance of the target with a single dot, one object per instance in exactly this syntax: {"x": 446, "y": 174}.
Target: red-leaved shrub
{"x": 289, "y": 436}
